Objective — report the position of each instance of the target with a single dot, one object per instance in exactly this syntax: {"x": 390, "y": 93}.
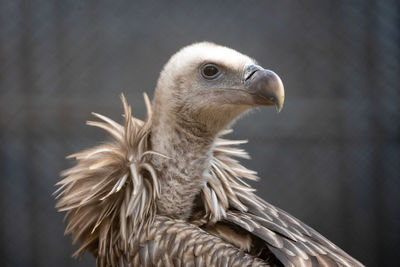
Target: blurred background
{"x": 331, "y": 157}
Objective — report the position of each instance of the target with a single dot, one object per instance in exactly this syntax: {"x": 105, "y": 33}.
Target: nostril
{"x": 250, "y": 75}
{"x": 249, "y": 72}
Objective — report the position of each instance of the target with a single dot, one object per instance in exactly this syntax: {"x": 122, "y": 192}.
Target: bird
{"x": 170, "y": 190}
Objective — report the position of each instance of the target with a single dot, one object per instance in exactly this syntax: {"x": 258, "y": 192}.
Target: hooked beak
{"x": 265, "y": 86}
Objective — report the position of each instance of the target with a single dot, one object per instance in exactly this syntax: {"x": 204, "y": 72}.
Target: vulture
{"x": 170, "y": 190}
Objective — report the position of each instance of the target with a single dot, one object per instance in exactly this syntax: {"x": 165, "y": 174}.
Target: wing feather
{"x": 290, "y": 240}
{"x": 188, "y": 245}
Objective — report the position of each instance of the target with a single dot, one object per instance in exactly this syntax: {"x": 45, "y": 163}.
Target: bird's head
{"x": 208, "y": 85}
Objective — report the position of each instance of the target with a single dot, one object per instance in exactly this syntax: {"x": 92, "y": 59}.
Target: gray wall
{"x": 331, "y": 157}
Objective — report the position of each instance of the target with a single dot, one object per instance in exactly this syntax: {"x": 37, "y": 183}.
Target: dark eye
{"x": 210, "y": 71}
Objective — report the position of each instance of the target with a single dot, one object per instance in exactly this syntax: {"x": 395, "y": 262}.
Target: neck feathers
{"x": 183, "y": 173}
{"x": 116, "y": 189}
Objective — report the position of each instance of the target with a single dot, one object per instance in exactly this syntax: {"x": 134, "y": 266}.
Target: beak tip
{"x": 279, "y": 107}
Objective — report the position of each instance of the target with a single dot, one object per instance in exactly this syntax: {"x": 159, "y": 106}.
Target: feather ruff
{"x": 110, "y": 194}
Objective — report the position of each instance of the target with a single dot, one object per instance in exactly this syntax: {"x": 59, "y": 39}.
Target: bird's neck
{"x": 188, "y": 148}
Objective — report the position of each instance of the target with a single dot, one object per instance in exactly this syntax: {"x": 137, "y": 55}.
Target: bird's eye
{"x": 210, "y": 71}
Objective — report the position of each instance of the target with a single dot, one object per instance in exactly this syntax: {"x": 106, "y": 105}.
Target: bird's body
{"x": 168, "y": 192}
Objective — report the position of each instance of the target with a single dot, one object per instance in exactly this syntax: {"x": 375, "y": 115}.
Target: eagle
{"x": 170, "y": 190}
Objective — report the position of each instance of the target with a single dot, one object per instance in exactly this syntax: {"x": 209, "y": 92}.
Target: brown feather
{"x": 116, "y": 181}
{"x": 110, "y": 197}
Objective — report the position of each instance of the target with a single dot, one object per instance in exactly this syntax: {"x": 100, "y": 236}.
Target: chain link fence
{"x": 331, "y": 157}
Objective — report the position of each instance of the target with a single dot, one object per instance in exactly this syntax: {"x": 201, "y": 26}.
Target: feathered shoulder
{"x": 110, "y": 194}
